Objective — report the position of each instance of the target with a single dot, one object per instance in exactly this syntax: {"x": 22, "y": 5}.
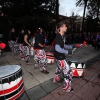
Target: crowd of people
{"x": 25, "y": 41}
{"x": 92, "y": 38}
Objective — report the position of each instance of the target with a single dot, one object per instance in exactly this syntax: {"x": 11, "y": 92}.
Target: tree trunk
{"x": 84, "y": 15}
{"x": 57, "y": 10}
{"x": 98, "y": 10}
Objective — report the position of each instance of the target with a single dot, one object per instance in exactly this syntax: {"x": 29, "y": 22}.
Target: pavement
{"x": 39, "y": 86}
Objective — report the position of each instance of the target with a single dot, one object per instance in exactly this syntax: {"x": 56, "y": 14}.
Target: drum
{"x": 77, "y": 66}
{"x": 11, "y": 82}
{"x": 50, "y": 57}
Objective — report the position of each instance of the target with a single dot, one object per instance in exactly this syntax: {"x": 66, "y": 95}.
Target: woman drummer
{"x": 40, "y": 55}
{"x": 27, "y": 46}
{"x": 13, "y": 41}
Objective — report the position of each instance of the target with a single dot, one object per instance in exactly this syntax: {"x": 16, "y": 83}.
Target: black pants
{"x": 96, "y": 46}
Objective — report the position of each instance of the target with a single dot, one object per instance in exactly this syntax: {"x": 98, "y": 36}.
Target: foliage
{"x": 18, "y": 8}
{"x": 80, "y": 3}
{"x": 28, "y": 13}
{"x": 94, "y": 8}
{"x": 93, "y": 12}
{"x": 91, "y": 24}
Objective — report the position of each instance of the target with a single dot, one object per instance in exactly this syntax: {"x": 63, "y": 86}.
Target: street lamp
{"x": 0, "y": 7}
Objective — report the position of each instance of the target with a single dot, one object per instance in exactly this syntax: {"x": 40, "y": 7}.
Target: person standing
{"x": 59, "y": 54}
{"x": 20, "y": 41}
{"x": 13, "y": 41}
{"x": 40, "y": 55}
{"x": 27, "y": 46}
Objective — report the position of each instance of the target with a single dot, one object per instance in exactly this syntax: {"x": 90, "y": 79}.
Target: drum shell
{"x": 11, "y": 86}
{"x": 78, "y": 68}
{"x": 50, "y": 57}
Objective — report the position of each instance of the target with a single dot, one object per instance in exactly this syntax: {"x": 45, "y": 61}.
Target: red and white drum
{"x": 11, "y": 82}
{"x": 50, "y": 57}
{"x": 78, "y": 67}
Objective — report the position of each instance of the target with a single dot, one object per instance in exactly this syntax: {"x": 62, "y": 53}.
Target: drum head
{"x": 75, "y": 63}
{"x": 8, "y": 70}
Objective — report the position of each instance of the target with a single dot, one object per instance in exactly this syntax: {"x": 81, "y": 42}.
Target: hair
{"x": 60, "y": 24}
{"x": 37, "y": 31}
{"x": 26, "y": 30}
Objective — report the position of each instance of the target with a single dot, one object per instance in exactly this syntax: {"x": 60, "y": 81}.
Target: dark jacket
{"x": 20, "y": 38}
{"x": 13, "y": 36}
{"x": 25, "y": 44}
{"x": 39, "y": 38}
{"x": 59, "y": 41}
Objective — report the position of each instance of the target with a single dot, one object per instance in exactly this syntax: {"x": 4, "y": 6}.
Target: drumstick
{"x": 80, "y": 45}
{"x": 73, "y": 49}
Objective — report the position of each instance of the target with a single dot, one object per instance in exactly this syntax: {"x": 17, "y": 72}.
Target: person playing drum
{"x": 27, "y": 46}
{"x": 59, "y": 54}
{"x": 20, "y": 42}
{"x": 40, "y": 55}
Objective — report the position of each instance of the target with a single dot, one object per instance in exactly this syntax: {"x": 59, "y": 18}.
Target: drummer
{"x": 40, "y": 55}
{"x": 20, "y": 41}
{"x": 27, "y": 46}
{"x": 59, "y": 53}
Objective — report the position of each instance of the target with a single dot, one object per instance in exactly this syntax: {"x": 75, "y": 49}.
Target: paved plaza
{"x": 39, "y": 86}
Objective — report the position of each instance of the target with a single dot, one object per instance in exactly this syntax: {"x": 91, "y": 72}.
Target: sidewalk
{"x": 87, "y": 88}
{"x": 39, "y": 86}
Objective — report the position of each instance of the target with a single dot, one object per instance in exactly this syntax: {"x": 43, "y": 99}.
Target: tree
{"x": 18, "y": 8}
{"x": 80, "y": 3}
{"x": 27, "y": 14}
{"x": 73, "y": 21}
{"x": 38, "y": 11}
{"x": 92, "y": 25}
{"x": 94, "y": 11}
{"x": 94, "y": 8}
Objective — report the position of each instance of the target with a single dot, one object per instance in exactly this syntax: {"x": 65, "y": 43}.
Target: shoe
{"x": 22, "y": 59}
{"x": 61, "y": 80}
{"x": 69, "y": 90}
{"x": 45, "y": 71}
{"x": 36, "y": 66}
